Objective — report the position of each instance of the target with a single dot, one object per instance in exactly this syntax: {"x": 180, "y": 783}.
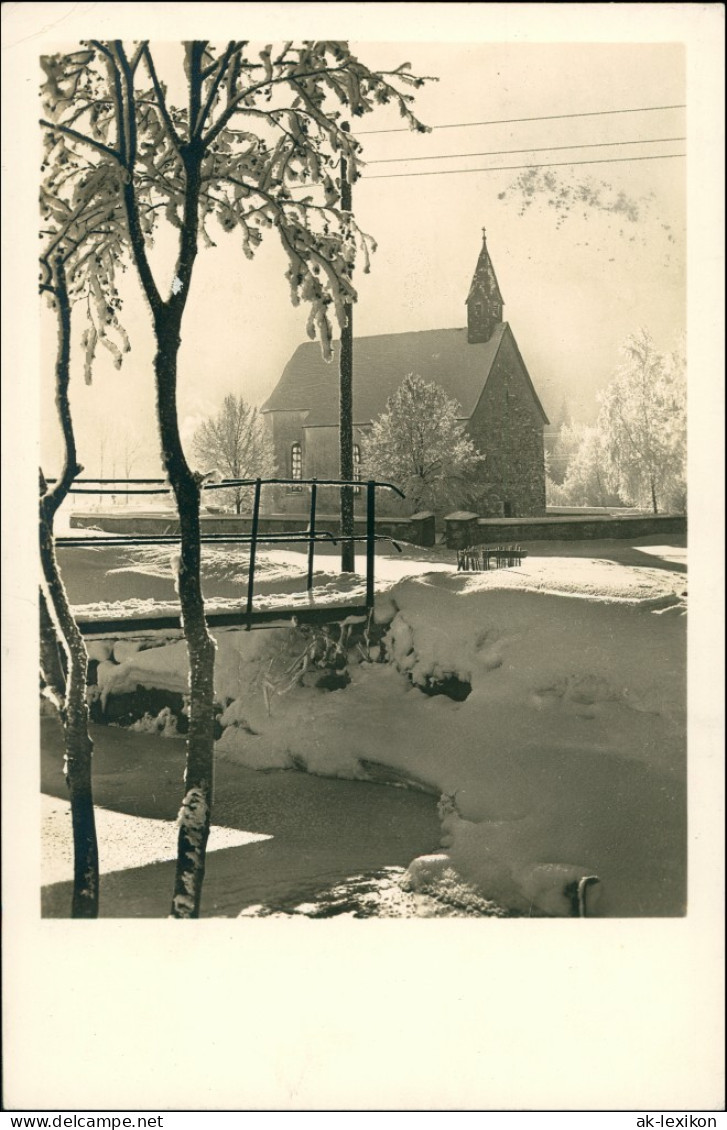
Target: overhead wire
{"x": 541, "y": 165}
{"x": 539, "y": 118}
{"x": 534, "y": 149}
{"x": 530, "y": 149}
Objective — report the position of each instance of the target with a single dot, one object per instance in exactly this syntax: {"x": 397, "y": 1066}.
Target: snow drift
{"x": 565, "y": 760}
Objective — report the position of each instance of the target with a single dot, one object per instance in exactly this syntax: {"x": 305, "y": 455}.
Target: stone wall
{"x": 468, "y": 530}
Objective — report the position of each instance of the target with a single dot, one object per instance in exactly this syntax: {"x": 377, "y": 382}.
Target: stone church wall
{"x": 508, "y": 429}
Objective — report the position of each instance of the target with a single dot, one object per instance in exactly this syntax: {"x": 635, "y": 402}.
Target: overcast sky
{"x": 574, "y": 285}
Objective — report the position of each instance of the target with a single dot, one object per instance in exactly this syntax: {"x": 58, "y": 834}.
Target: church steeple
{"x": 484, "y": 301}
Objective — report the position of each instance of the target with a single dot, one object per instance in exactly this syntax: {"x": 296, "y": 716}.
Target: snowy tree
{"x": 236, "y": 443}
{"x": 585, "y": 482}
{"x": 675, "y": 373}
{"x": 256, "y": 147}
{"x": 560, "y": 439}
{"x": 567, "y": 441}
{"x": 65, "y": 684}
{"x": 81, "y": 234}
{"x": 419, "y": 442}
{"x": 642, "y": 421}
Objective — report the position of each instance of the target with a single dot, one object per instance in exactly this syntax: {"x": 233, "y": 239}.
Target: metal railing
{"x": 311, "y": 536}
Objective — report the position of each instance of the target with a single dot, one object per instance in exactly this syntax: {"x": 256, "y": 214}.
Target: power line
{"x": 508, "y": 168}
{"x": 541, "y": 118}
{"x": 533, "y": 149}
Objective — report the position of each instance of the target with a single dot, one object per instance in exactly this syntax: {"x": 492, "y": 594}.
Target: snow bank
{"x": 565, "y": 762}
{"x": 567, "y": 758}
{"x": 238, "y": 662}
{"x": 287, "y": 597}
{"x": 163, "y": 668}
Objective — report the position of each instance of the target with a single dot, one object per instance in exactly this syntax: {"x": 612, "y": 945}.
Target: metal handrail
{"x": 103, "y": 539}
{"x": 302, "y": 483}
{"x": 164, "y": 487}
{"x": 171, "y": 539}
{"x": 310, "y": 536}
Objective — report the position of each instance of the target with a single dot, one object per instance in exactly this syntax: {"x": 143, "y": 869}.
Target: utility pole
{"x": 345, "y": 419}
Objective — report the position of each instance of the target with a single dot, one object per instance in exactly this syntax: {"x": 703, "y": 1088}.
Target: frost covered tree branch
{"x": 181, "y": 168}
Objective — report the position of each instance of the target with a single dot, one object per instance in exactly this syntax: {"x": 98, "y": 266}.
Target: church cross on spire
{"x": 484, "y": 301}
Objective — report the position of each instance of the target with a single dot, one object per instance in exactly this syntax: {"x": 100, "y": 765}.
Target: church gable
{"x": 507, "y": 427}
{"x": 509, "y": 374}
{"x": 509, "y": 382}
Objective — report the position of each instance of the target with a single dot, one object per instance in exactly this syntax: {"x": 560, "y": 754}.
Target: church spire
{"x": 484, "y": 301}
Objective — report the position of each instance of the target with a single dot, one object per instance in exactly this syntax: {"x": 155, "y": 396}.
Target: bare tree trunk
{"x": 74, "y": 717}
{"x": 195, "y": 813}
{"x": 70, "y": 698}
{"x": 653, "y": 496}
{"x": 52, "y": 669}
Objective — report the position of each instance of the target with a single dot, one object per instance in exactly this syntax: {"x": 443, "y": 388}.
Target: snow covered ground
{"x": 566, "y": 759}
{"x": 120, "y": 838}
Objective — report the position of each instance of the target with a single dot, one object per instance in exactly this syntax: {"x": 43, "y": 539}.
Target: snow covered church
{"x": 480, "y": 366}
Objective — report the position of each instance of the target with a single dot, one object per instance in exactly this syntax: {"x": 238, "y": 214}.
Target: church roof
{"x": 310, "y": 384}
{"x": 380, "y": 363}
